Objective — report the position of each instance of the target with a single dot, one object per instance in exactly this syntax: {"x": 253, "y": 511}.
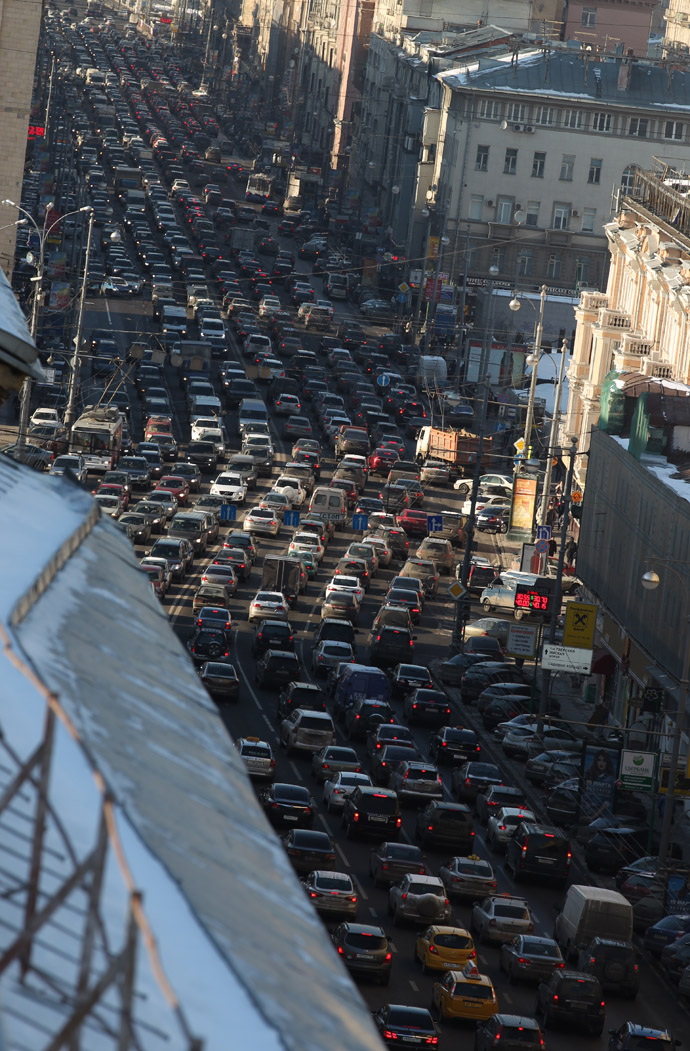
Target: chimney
{"x": 624, "y": 72}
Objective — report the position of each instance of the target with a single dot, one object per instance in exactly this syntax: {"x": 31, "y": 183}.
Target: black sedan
{"x": 285, "y": 804}
{"x": 138, "y": 526}
{"x": 454, "y": 744}
{"x": 221, "y": 680}
{"x": 402, "y": 1026}
{"x": 407, "y": 677}
{"x": 472, "y": 778}
{"x": 309, "y": 850}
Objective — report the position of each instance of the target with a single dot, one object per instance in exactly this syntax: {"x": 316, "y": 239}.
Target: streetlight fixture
{"x": 38, "y": 262}
{"x": 515, "y": 305}
{"x": 650, "y": 581}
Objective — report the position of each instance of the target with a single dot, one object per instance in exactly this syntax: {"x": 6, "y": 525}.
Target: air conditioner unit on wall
{"x": 529, "y": 128}
{"x": 518, "y": 127}
{"x": 575, "y": 212}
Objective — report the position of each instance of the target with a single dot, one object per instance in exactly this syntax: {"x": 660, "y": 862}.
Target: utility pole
{"x": 460, "y": 604}
{"x": 558, "y": 583}
{"x": 76, "y": 359}
{"x": 553, "y": 437}
{"x": 529, "y": 418}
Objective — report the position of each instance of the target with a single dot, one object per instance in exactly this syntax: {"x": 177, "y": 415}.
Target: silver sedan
{"x": 332, "y": 893}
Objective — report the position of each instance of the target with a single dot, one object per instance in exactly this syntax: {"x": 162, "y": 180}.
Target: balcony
{"x": 615, "y": 320}
{"x": 593, "y": 301}
{"x": 634, "y": 347}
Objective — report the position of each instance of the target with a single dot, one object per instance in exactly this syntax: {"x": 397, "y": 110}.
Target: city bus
{"x": 97, "y": 436}
{"x": 259, "y": 187}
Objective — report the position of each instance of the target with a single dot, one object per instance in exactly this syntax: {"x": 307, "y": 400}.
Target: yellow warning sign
{"x": 580, "y": 624}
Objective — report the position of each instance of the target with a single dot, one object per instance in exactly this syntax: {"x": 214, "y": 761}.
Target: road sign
{"x": 228, "y": 513}
{"x": 522, "y": 640}
{"x": 404, "y": 288}
{"x": 291, "y": 518}
{"x": 566, "y": 658}
{"x": 383, "y": 380}
{"x": 541, "y": 547}
{"x": 580, "y": 625}
{"x": 519, "y": 446}
{"x": 457, "y": 590}
{"x": 401, "y": 297}
{"x": 637, "y": 770}
{"x": 576, "y": 496}
{"x": 360, "y": 523}
{"x": 543, "y": 532}
{"x": 434, "y": 523}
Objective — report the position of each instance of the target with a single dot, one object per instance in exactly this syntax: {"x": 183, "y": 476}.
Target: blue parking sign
{"x": 543, "y": 532}
{"x": 291, "y": 518}
{"x": 434, "y": 523}
{"x": 228, "y": 513}
{"x": 360, "y": 523}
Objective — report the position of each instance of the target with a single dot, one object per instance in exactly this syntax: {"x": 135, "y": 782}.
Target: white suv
{"x": 307, "y": 731}
{"x": 419, "y": 898}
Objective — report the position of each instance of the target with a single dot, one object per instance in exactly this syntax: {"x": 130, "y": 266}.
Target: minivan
{"x": 539, "y": 850}
{"x": 329, "y": 504}
{"x": 252, "y": 410}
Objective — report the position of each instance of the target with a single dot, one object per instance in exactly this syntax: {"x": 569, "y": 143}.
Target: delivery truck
{"x": 282, "y": 574}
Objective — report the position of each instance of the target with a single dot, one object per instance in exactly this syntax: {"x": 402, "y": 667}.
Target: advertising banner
{"x": 524, "y": 500}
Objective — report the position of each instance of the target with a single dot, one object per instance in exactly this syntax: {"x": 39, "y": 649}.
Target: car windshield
{"x": 510, "y": 912}
{"x": 415, "y": 773}
{"x": 484, "y": 770}
{"x": 473, "y": 991}
{"x": 579, "y": 988}
{"x": 410, "y": 1017}
{"x": 426, "y": 888}
{"x": 453, "y": 941}
{"x": 338, "y": 882}
{"x": 364, "y": 941}
{"x": 403, "y": 852}
{"x": 536, "y": 947}
{"x": 520, "y": 1034}
{"x": 304, "y": 837}
{"x": 474, "y": 868}
{"x": 291, "y": 794}
{"x": 255, "y": 751}
{"x": 311, "y": 722}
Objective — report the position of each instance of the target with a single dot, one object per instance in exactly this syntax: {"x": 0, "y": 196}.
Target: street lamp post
{"x": 553, "y": 437}
{"x": 76, "y": 359}
{"x": 529, "y": 418}
{"x": 650, "y": 582}
{"x": 25, "y": 395}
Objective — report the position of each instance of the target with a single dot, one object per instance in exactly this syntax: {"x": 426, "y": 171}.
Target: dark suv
{"x": 574, "y": 999}
{"x": 304, "y": 695}
{"x": 510, "y": 1033}
{"x": 372, "y": 810}
{"x": 364, "y": 950}
{"x": 365, "y": 715}
{"x": 390, "y": 646}
{"x": 273, "y": 635}
{"x": 539, "y": 850}
{"x": 614, "y": 963}
{"x": 631, "y": 1037}
{"x": 442, "y": 824}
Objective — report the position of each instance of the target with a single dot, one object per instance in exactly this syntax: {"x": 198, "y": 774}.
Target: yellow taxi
{"x": 465, "y": 994}
{"x": 444, "y": 948}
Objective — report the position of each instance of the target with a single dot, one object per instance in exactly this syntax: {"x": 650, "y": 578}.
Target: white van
{"x": 590, "y": 912}
{"x": 252, "y": 410}
{"x": 329, "y": 504}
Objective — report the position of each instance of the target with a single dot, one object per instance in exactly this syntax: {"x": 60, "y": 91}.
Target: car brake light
{"x": 555, "y": 997}
{"x": 388, "y": 1034}
{"x": 355, "y": 816}
{"x": 341, "y": 950}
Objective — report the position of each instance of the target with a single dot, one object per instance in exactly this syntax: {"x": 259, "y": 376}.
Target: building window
{"x": 561, "y": 216}
{"x": 504, "y": 209}
{"x": 510, "y": 163}
{"x": 525, "y": 262}
{"x": 490, "y": 109}
{"x": 628, "y": 178}
{"x": 567, "y": 167}
{"x": 573, "y": 118}
{"x": 538, "y": 165}
{"x": 498, "y": 257}
{"x": 481, "y": 163}
{"x": 545, "y": 115}
{"x": 518, "y": 113}
{"x": 588, "y": 17}
{"x": 582, "y": 270}
{"x": 588, "y": 219}
{"x": 553, "y": 269}
{"x": 601, "y": 122}
{"x": 594, "y": 176}
{"x": 476, "y": 206}
{"x": 638, "y": 127}
{"x": 532, "y": 213}
{"x": 674, "y": 129}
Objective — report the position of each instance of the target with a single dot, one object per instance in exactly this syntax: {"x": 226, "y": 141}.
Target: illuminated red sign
{"x": 36, "y": 131}
{"x": 536, "y": 599}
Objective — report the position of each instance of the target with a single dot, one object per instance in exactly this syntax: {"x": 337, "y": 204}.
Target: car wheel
{"x": 486, "y": 606}
{"x": 518, "y": 614}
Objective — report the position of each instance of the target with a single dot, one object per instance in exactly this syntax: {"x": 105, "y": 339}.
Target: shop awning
{"x": 603, "y": 663}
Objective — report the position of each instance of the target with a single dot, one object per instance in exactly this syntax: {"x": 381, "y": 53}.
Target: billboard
{"x": 524, "y": 500}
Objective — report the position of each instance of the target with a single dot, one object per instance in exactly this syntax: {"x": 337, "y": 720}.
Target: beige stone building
{"x": 20, "y": 23}
{"x": 641, "y": 324}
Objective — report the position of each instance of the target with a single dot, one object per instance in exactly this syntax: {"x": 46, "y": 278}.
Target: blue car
{"x": 666, "y": 931}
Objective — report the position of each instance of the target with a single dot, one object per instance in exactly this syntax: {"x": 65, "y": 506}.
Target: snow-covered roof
{"x": 245, "y": 960}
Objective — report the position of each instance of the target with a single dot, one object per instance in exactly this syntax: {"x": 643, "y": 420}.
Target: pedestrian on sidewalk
{"x": 571, "y": 551}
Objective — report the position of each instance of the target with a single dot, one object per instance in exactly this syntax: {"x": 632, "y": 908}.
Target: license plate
{"x": 579, "y": 1007}
{"x": 412, "y": 1039}
{"x": 378, "y": 817}
{"x": 547, "y": 861}
{"x": 364, "y": 956}
{"x": 290, "y": 817}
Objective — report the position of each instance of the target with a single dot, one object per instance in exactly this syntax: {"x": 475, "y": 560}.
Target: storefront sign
{"x": 637, "y": 770}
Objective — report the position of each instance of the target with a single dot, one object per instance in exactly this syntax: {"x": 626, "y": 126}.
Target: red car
{"x": 175, "y": 484}
{"x": 381, "y": 460}
{"x": 413, "y": 522}
{"x": 112, "y": 489}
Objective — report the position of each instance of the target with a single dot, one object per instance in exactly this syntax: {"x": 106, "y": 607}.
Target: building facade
{"x": 20, "y": 23}
{"x": 610, "y": 25}
{"x": 642, "y": 322}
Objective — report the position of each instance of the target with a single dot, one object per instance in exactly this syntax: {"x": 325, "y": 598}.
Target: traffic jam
{"x": 266, "y": 442}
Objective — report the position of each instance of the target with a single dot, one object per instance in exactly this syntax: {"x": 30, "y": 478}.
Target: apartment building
{"x": 20, "y": 23}
{"x": 641, "y": 323}
{"x": 611, "y": 24}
